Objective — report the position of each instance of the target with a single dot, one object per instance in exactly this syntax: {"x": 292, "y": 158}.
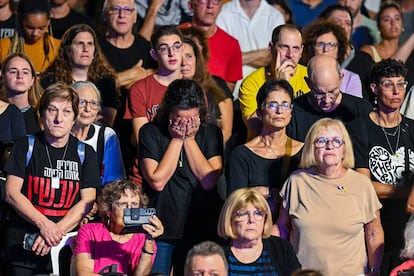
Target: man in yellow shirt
{"x": 286, "y": 48}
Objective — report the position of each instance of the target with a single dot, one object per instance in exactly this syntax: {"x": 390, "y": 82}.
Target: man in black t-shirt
{"x": 325, "y": 98}
{"x": 62, "y": 17}
{"x": 129, "y": 55}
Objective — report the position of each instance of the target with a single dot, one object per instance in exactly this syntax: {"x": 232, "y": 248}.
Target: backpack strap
{"x": 31, "y": 140}
{"x": 81, "y": 151}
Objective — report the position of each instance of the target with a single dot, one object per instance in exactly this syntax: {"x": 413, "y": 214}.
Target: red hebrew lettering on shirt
{"x": 49, "y": 201}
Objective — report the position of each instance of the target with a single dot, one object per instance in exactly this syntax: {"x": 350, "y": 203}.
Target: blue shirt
{"x": 303, "y": 14}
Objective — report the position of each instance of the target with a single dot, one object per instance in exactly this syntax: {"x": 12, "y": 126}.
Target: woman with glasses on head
{"x": 330, "y": 212}
{"x": 326, "y": 38}
{"x": 80, "y": 59}
{"x": 246, "y": 222}
{"x": 267, "y": 160}
{"x": 104, "y": 248}
{"x": 103, "y": 139}
{"x": 384, "y": 149}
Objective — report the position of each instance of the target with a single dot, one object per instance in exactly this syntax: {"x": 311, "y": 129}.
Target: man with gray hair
{"x": 325, "y": 100}
{"x": 206, "y": 258}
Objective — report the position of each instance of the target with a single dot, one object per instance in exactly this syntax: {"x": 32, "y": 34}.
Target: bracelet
{"x": 374, "y": 269}
{"x": 146, "y": 252}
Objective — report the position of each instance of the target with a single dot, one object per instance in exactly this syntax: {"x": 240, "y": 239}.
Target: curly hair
{"x": 387, "y": 68}
{"x": 35, "y": 91}
{"x": 321, "y": 27}
{"x": 61, "y": 68}
{"x": 113, "y": 191}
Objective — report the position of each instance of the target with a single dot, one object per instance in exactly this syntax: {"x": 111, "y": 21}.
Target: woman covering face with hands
{"x": 181, "y": 158}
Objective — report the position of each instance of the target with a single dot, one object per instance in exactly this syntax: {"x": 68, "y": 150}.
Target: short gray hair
{"x": 79, "y": 84}
{"x": 206, "y": 248}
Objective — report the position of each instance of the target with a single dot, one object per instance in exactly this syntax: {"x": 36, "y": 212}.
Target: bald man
{"x": 325, "y": 100}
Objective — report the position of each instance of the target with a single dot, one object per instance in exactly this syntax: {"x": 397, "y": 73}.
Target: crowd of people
{"x": 270, "y": 137}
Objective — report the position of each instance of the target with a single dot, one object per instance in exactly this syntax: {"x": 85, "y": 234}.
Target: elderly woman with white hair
{"x": 102, "y": 139}
{"x": 408, "y": 251}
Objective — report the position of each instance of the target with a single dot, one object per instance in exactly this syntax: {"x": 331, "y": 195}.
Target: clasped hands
{"x": 184, "y": 128}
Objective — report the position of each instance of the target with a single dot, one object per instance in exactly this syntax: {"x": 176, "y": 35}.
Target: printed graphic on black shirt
{"x": 388, "y": 168}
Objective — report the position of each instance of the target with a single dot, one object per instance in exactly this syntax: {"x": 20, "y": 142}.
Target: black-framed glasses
{"x": 245, "y": 215}
{"x": 322, "y": 142}
{"x": 389, "y": 85}
{"x": 330, "y": 46}
{"x": 274, "y": 106}
{"x": 209, "y": 2}
{"x": 118, "y": 9}
{"x": 165, "y": 49}
{"x": 93, "y": 104}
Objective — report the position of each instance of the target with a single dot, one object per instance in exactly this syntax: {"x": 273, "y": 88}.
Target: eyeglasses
{"x": 118, "y": 9}
{"x": 274, "y": 106}
{"x": 329, "y": 46}
{"x": 241, "y": 215}
{"x": 292, "y": 49}
{"x": 165, "y": 49}
{"x": 389, "y": 85}
{"x": 126, "y": 204}
{"x": 209, "y": 2}
{"x": 93, "y": 104}
{"x": 322, "y": 142}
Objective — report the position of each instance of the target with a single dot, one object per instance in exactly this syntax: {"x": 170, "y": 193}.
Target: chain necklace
{"x": 397, "y": 131}
{"x": 55, "y": 178}
{"x": 272, "y": 150}
{"x": 386, "y": 134}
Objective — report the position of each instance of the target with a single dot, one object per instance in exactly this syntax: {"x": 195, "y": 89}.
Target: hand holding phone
{"x": 134, "y": 218}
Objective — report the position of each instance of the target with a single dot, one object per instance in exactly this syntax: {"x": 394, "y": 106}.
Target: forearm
{"x": 26, "y": 210}
{"x": 205, "y": 172}
{"x": 405, "y": 50}
{"x": 374, "y": 238}
{"x": 147, "y": 27}
{"x": 159, "y": 176}
{"x": 387, "y": 191}
{"x": 226, "y": 124}
{"x": 78, "y": 211}
{"x": 144, "y": 265}
{"x": 256, "y": 58}
{"x": 128, "y": 77}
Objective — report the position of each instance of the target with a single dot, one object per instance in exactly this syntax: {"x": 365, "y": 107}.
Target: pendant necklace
{"x": 180, "y": 161}
{"x": 55, "y": 179}
{"x": 386, "y": 134}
